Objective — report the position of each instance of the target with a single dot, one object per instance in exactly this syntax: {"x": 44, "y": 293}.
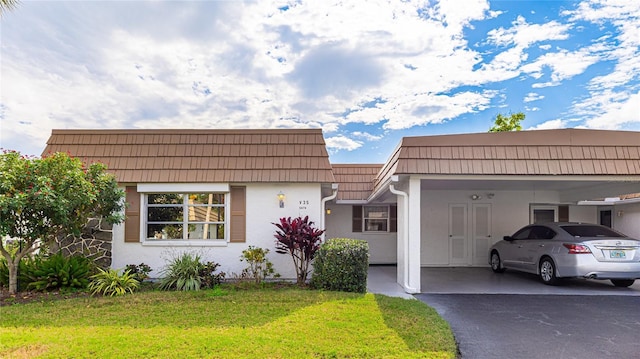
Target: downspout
{"x": 334, "y": 187}
{"x": 405, "y": 233}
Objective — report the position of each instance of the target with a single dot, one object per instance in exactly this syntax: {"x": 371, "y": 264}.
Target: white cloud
{"x": 523, "y": 34}
{"x": 563, "y": 64}
{"x": 550, "y": 125}
{"x": 532, "y": 96}
{"x": 341, "y": 142}
{"x": 366, "y": 136}
{"x": 617, "y": 114}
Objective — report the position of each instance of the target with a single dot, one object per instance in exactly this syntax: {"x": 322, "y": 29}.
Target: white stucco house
{"x": 437, "y": 201}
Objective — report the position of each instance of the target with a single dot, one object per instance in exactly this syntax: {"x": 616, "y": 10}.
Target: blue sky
{"x": 366, "y": 72}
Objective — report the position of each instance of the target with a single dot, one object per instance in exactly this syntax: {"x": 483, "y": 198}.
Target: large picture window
{"x": 185, "y": 216}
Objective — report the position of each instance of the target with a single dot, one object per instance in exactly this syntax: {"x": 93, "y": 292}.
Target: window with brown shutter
{"x": 376, "y": 218}
{"x": 356, "y": 223}
{"x": 132, "y": 214}
{"x": 238, "y": 220}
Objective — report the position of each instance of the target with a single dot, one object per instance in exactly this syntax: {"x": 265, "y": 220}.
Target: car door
{"x": 538, "y": 243}
{"x": 513, "y": 253}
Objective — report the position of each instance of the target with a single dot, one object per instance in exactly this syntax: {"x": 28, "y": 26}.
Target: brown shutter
{"x": 393, "y": 218}
{"x": 238, "y": 220}
{"x": 132, "y": 214}
{"x": 356, "y": 217}
{"x": 563, "y": 213}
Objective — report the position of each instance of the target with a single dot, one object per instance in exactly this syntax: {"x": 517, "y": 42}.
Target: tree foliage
{"x": 301, "y": 240}
{"x": 508, "y": 123}
{"x": 6, "y": 5}
{"x": 44, "y": 198}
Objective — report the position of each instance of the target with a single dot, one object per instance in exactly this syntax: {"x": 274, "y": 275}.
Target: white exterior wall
{"x": 626, "y": 219}
{"x": 382, "y": 246}
{"x": 509, "y": 212}
{"x": 586, "y": 214}
{"x": 261, "y": 210}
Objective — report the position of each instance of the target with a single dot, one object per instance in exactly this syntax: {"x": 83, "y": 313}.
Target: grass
{"x": 226, "y": 323}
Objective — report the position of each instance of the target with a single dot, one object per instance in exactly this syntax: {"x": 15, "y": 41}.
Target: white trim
{"x": 186, "y": 243}
{"x": 609, "y": 203}
{"x": 182, "y": 187}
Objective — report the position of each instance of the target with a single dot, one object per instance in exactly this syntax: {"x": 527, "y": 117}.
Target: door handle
{"x": 540, "y": 245}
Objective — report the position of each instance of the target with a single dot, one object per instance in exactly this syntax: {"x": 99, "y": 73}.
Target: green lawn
{"x": 227, "y": 323}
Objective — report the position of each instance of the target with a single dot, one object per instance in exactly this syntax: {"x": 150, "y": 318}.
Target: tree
{"x": 43, "y": 199}
{"x": 508, "y": 123}
{"x": 301, "y": 240}
{"x": 6, "y": 5}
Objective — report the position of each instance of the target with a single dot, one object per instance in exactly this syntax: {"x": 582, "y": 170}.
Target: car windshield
{"x": 590, "y": 231}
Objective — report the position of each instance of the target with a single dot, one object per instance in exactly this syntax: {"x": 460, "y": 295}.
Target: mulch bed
{"x": 32, "y": 296}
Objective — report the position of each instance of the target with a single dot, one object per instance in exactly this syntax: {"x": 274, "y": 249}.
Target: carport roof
{"x": 560, "y": 152}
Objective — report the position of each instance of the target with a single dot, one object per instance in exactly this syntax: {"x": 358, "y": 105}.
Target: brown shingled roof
{"x": 136, "y": 156}
{"x": 355, "y": 181}
{"x": 543, "y": 152}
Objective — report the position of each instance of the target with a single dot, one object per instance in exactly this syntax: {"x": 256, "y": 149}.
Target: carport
{"x": 458, "y": 194}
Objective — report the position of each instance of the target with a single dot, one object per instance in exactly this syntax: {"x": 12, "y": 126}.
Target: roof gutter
{"x": 405, "y": 232}
{"x": 334, "y": 187}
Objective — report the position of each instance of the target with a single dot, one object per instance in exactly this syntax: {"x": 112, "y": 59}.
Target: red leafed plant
{"x": 301, "y": 240}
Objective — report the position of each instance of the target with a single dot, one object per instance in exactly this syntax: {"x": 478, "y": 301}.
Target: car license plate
{"x": 617, "y": 254}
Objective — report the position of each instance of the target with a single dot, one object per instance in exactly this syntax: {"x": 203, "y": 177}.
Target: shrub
{"x": 139, "y": 272}
{"x": 301, "y": 240}
{"x": 342, "y": 264}
{"x": 57, "y": 271}
{"x": 26, "y": 267}
{"x": 182, "y": 273}
{"x": 208, "y": 276}
{"x": 110, "y": 282}
{"x": 259, "y": 266}
{"x": 187, "y": 272}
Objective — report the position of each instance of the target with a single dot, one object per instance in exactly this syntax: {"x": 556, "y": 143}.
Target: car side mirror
{"x": 508, "y": 238}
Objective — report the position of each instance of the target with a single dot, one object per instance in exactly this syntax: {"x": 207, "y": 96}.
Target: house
{"x": 437, "y": 201}
{"x": 215, "y": 192}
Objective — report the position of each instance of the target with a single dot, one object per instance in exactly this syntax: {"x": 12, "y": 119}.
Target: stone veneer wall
{"x": 94, "y": 242}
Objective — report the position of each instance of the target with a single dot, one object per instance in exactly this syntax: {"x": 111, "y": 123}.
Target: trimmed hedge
{"x": 341, "y": 264}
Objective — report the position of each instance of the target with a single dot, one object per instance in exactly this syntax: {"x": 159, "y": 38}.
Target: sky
{"x": 367, "y": 72}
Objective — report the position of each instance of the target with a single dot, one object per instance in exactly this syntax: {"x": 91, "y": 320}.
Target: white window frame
{"x": 185, "y": 189}
{"x": 365, "y": 218}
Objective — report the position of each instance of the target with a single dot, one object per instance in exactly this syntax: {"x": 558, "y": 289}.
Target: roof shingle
{"x": 136, "y": 156}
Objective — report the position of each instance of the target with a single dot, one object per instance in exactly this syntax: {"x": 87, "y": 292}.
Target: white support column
{"x": 414, "y": 233}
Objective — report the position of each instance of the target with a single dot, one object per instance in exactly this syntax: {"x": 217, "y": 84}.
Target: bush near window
{"x": 260, "y": 267}
{"x": 57, "y": 271}
{"x": 112, "y": 283}
{"x": 140, "y": 272}
{"x": 186, "y": 271}
{"x": 341, "y": 264}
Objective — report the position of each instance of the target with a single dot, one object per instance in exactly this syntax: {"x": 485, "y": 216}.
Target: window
{"x": 184, "y": 216}
{"x": 380, "y": 218}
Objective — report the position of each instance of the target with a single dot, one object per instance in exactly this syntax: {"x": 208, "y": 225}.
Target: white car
{"x": 559, "y": 249}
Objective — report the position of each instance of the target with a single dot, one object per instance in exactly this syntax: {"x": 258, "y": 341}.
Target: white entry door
{"x": 481, "y": 233}
{"x": 458, "y": 235}
{"x": 469, "y": 238}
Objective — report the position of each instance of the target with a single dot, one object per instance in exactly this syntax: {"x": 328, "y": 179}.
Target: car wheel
{"x": 622, "y": 282}
{"x": 548, "y": 271}
{"x": 496, "y": 265}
